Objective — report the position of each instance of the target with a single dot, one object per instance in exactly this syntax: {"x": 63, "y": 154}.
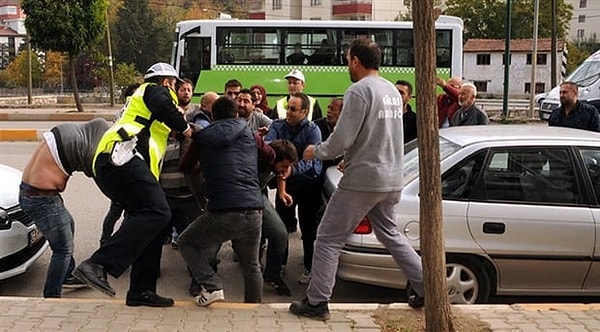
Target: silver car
{"x": 21, "y": 244}
{"x": 521, "y": 213}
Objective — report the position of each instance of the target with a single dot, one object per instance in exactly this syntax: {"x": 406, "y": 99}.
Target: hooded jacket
{"x": 229, "y": 161}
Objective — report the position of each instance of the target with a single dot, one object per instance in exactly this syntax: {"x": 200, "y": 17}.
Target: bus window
{"x": 193, "y": 59}
{"x": 405, "y": 48}
{"x": 317, "y": 45}
{"x": 443, "y": 44}
{"x": 247, "y": 45}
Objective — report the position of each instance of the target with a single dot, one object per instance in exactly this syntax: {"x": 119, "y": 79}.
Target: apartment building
{"x": 12, "y": 30}
{"x": 585, "y": 23}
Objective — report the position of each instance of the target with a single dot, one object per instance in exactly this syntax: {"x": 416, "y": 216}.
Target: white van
{"x": 587, "y": 76}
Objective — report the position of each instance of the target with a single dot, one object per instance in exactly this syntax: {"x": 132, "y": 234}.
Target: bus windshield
{"x": 262, "y": 52}
{"x": 586, "y": 74}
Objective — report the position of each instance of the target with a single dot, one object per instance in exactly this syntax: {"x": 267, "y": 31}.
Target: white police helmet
{"x": 161, "y": 69}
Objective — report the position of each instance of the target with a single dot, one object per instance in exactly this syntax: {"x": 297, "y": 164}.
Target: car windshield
{"x": 411, "y": 157}
{"x": 586, "y": 74}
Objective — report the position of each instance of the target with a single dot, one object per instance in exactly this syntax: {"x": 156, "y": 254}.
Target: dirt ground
{"x": 414, "y": 321}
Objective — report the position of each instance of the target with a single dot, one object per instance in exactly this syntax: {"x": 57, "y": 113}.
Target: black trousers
{"x": 138, "y": 242}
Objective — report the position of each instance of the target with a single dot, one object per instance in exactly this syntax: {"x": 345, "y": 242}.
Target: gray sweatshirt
{"x": 369, "y": 135}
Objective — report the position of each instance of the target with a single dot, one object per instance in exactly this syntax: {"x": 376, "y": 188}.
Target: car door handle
{"x": 494, "y": 227}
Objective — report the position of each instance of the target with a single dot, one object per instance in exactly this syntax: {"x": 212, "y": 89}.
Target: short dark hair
{"x": 406, "y": 84}
{"x": 284, "y": 150}
{"x": 182, "y": 82}
{"x": 224, "y": 108}
{"x": 130, "y": 89}
{"x": 248, "y": 92}
{"x": 304, "y": 98}
{"x": 233, "y": 83}
{"x": 367, "y": 52}
{"x": 573, "y": 85}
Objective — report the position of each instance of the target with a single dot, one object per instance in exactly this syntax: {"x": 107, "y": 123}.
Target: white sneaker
{"x": 204, "y": 299}
{"x": 304, "y": 278}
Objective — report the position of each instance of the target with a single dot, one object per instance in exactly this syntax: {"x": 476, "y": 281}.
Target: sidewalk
{"x": 37, "y": 314}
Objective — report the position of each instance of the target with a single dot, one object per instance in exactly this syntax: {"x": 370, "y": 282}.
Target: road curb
{"x": 10, "y": 135}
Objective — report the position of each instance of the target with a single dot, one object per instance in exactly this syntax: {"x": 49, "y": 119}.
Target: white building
{"x": 12, "y": 30}
{"x": 585, "y": 23}
{"x": 484, "y": 66}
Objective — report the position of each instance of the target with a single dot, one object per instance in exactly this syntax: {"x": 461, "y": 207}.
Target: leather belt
{"x": 35, "y": 192}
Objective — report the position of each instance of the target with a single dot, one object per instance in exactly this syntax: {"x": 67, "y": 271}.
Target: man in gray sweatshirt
{"x": 369, "y": 135}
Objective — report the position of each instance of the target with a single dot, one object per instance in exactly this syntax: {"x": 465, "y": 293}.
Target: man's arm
{"x": 159, "y": 102}
{"x": 266, "y": 154}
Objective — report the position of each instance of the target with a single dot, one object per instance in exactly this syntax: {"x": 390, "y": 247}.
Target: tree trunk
{"x": 72, "y": 60}
{"x": 438, "y": 317}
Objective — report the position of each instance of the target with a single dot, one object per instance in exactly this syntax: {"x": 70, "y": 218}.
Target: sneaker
{"x": 205, "y": 298}
{"x": 318, "y": 311}
{"x": 174, "y": 245}
{"x": 73, "y": 283}
{"x": 413, "y": 299}
{"x": 280, "y": 287}
{"x": 304, "y": 278}
{"x": 149, "y": 299}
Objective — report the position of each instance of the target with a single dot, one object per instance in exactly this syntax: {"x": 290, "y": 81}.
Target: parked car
{"x": 521, "y": 213}
{"x": 21, "y": 244}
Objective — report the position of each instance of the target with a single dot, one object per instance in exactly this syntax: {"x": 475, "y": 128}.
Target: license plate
{"x": 34, "y": 236}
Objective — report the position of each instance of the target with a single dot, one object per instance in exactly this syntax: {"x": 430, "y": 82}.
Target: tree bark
{"x": 438, "y": 317}
{"x": 72, "y": 61}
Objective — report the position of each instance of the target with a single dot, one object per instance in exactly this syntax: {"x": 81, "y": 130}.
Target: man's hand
{"x": 286, "y": 198}
{"x": 262, "y": 131}
{"x": 440, "y": 81}
{"x": 309, "y": 152}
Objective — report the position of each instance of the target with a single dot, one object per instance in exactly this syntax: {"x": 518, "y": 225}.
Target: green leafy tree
{"x": 576, "y": 56}
{"x": 487, "y": 18}
{"x": 68, "y": 26}
{"x": 17, "y": 70}
{"x": 134, "y": 38}
{"x": 125, "y": 74}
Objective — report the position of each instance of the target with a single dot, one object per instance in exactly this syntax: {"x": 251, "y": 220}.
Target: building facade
{"x": 12, "y": 30}
{"x": 585, "y": 23}
{"x": 483, "y": 64}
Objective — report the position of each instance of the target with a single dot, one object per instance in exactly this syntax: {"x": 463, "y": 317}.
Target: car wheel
{"x": 467, "y": 282}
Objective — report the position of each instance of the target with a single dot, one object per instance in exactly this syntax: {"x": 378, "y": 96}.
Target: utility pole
{"x": 110, "y": 64}
{"x": 506, "y": 58}
{"x": 553, "y": 73}
{"x": 29, "y": 72}
{"x": 536, "y": 10}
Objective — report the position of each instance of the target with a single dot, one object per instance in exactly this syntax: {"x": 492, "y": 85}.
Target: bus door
{"x": 195, "y": 57}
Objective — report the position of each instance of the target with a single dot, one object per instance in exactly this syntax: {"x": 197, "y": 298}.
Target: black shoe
{"x": 195, "y": 288}
{"x": 94, "y": 275}
{"x": 73, "y": 283}
{"x": 414, "y": 300}
{"x": 280, "y": 287}
{"x": 148, "y": 298}
{"x": 304, "y": 308}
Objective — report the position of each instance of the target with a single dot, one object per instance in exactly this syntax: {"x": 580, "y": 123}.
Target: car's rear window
{"x": 411, "y": 157}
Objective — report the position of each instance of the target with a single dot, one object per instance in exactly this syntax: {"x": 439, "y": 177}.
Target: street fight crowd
{"x": 199, "y": 175}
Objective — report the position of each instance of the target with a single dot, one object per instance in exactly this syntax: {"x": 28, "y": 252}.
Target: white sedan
{"x": 21, "y": 244}
{"x": 521, "y": 213}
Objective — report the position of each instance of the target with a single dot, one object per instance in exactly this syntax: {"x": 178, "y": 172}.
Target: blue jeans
{"x": 56, "y": 224}
{"x": 197, "y": 246}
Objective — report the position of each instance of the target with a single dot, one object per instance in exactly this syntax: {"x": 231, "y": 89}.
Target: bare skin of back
{"x": 42, "y": 171}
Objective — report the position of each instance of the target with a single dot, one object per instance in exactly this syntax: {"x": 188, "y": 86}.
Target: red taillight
{"x": 364, "y": 227}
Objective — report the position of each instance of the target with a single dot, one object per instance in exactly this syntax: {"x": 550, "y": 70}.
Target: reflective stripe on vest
{"x": 131, "y": 120}
{"x": 282, "y": 105}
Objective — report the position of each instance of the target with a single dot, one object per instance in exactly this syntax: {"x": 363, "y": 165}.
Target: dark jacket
{"x": 583, "y": 116}
{"x": 229, "y": 161}
{"x": 409, "y": 121}
{"x": 304, "y": 172}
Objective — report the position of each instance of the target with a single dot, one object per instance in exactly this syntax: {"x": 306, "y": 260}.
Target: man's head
{"x": 568, "y": 94}
{"x": 455, "y": 82}
{"x": 285, "y": 155}
{"x": 225, "y": 108}
{"x": 298, "y": 106}
{"x": 245, "y": 101}
{"x": 162, "y": 74}
{"x": 466, "y": 95}
{"x": 405, "y": 89}
{"x": 207, "y": 100}
{"x": 364, "y": 56}
{"x": 295, "y": 81}
{"x": 232, "y": 88}
{"x": 334, "y": 109}
{"x": 298, "y": 48}
{"x": 185, "y": 91}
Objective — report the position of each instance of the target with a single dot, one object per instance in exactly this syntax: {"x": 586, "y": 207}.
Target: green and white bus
{"x": 210, "y": 52}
